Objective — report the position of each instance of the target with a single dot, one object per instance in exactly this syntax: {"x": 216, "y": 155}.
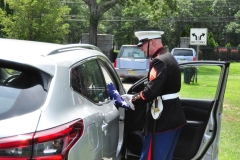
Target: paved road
{"x": 127, "y": 82}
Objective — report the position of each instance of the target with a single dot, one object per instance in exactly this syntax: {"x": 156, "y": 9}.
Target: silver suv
{"x": 184, "y": 54}
{"x": 131, "y": 62}
{"x": 54, "y": 102}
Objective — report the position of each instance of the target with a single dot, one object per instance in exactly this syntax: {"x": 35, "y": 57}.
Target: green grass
{"x": 229, "y": 148}
{"x": 205, "y": 84}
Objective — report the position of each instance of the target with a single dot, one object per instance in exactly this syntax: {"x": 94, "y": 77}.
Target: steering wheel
{"x": 6, "y": 81}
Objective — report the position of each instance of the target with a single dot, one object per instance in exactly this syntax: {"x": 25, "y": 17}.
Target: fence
{"x": 219, "y": 53}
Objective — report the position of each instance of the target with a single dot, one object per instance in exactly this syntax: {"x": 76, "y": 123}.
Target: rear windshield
{"x": 21, "y": 92}
{"x": 182, "y": 52}
{"x": 131, "y": 52}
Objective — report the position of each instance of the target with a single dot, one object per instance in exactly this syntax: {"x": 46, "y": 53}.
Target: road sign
{"x": 198, "y": 36}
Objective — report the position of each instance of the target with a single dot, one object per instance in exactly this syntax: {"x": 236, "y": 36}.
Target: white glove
{"x": 128, "y": 99}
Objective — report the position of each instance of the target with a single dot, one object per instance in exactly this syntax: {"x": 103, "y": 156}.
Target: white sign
{"x": 198, "y": 36}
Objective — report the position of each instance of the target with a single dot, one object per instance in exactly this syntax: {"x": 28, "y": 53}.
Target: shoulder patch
{"x": 153, "y": 74}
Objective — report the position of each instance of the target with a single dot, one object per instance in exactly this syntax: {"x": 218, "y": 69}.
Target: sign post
{"x": 198, "y": 36}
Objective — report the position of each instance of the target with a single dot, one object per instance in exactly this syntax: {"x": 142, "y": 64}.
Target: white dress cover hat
{"x": 144, "y": 36}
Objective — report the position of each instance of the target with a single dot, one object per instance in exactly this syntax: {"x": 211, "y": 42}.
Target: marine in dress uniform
{"x": 165, "y": 81}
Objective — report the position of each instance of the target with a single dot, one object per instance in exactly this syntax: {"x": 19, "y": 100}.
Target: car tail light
{"x": 52, "y": 144}
{"x": 115, "y": 64}
{"x": 17, "y": 147}
{"x": 194, "y": 58}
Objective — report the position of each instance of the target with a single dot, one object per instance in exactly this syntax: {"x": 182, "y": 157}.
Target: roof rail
{"x": 68, "y": 47}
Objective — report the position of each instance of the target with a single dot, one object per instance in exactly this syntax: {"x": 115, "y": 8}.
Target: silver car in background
{"x": 131, "y": 62}
{"x": 184, "y": 54}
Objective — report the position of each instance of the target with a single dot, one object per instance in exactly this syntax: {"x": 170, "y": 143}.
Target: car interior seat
{"x": 20, "y": 81}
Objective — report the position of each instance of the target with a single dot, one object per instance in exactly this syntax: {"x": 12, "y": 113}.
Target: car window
{"x": 132, "y": 52}
{"x": 203, "y": 79}
{"x": 21, "y": 92}
{"x": 182, "y": 52}
{"x": 75, "y": 80}
{"x": 87, "y": 80}
{"x": 107, "y": 75}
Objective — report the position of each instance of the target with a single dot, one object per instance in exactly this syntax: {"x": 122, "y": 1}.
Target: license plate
{"x": 131, "y": 72}
{"x": 182, "y": 60}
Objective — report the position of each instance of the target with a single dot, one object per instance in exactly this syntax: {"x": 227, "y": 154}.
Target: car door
{"x": 116, "y": 135}
{"x": 202, "y": 93}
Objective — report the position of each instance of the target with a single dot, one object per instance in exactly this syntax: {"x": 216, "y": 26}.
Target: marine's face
{"x": 144, "y": 48}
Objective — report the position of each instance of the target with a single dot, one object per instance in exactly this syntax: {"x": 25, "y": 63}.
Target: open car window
{"x": 200, "y": 82}
{"x": 183, "y": 52}
{"x": 132, "y": 52}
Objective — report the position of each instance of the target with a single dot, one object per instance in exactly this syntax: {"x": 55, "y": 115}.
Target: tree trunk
{"x": 96, "y": 11}
{"x": 2, "y": 4}
{"x": 94, "y": 19}
{"x": 93, "y": 30}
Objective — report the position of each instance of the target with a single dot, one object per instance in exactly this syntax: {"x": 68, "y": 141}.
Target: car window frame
{"x": 120, "y": 55}
{"x": 107, "y": 100}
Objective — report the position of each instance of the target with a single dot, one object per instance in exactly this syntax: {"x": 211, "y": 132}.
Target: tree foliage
{"x": 78, "y": 20}
{"x": 121, "y": 18}
{"x": 35, "y": 20}
{"x": 211, "y": 41}
{"x": 97, "y": 9}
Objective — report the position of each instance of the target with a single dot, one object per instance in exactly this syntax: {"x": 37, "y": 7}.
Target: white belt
{"x": 169, "y": 96}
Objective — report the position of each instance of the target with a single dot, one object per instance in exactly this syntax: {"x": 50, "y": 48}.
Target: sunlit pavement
{"x": 128, "y": 82}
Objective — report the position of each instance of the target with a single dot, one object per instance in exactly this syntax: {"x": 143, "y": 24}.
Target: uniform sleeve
{"x": 157, "y": 80}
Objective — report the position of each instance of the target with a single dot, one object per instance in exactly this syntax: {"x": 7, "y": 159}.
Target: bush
{"x": 234, "y": 55}
{"x": 220, "y": 53}
{"x": 223, "y": 54}
{"x": 116, "y": 52}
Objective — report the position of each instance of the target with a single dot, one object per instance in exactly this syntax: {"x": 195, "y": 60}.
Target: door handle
{"x": 104, "y": 127}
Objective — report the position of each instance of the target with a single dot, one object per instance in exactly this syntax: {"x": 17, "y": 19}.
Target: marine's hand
{"x": 128, "y": 99}
{"x": 135, "y": 97}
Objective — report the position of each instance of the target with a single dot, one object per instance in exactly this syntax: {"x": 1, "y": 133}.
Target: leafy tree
{"x": 5, "y": 7}
{"x": 233, "y": 30}
{"x": 97, "y": 9}
{"x": 2, "y": 6}
{"x": 224, "y": 11}
{"x": 211, "y": 41}
{"x": 35, "y": 20}
{"x": 77, "y": 20}
{"x": 135, "y": 18}
{"x": 136, "y": 15}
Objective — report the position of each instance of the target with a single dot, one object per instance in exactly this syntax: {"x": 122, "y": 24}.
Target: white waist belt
{"x": 169, "y": 96}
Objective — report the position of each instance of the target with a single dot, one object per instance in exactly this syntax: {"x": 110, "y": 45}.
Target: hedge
{"x": 219, "y": 53}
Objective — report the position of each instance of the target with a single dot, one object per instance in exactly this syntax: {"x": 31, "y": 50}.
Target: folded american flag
{"x": 116, "y": 98}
